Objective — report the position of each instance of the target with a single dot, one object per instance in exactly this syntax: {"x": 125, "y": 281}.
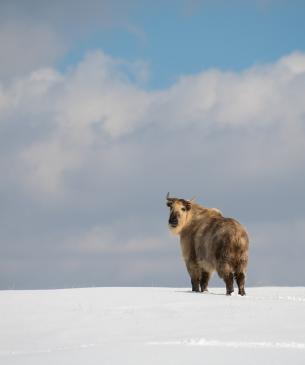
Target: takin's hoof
{"x": 229, "y": 292}
{"x": 242, "y": 292}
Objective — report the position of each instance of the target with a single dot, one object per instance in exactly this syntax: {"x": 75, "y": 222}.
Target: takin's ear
{"x": 190, "y": 202}
{"x": 169, "y": 204}
{"x": 187, "y": 204}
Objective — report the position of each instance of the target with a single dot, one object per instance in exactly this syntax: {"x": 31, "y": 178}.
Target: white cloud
{"x": 95, "y": 105}
{"x": 254, "y": 97}
{"x": 95, "y": 100}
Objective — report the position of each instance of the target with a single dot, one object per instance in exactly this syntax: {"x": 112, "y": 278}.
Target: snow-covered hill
{"x": 152, "y": 326}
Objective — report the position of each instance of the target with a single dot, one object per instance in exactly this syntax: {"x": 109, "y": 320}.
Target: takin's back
{"x": 221, "y": 244}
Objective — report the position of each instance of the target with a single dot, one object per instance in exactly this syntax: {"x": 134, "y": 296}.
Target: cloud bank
{"x": 87, "y": 156}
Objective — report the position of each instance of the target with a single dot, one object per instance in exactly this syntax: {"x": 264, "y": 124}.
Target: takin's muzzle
{"x": 173, "y": 220}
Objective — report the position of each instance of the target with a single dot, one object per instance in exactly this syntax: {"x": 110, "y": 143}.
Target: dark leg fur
{"x": 240, "y": 281}
{"x": 228, "y": 279}
{"x": 195, "y": 285}
{"x": 194, "y": 272}
{"x": 204, "y": 280}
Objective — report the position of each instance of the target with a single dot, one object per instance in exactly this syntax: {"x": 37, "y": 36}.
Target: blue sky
{"x": 105, "y": 106}
{"x": 192, "y": 37}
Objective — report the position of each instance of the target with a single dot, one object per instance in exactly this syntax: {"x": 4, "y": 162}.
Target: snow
{"x": 152, "y": 326}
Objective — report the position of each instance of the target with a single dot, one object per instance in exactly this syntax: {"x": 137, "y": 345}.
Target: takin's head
{"x": 179, "y": 215}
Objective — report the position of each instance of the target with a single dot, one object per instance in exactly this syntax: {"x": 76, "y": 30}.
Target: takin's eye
{"x": 183, "y": 209}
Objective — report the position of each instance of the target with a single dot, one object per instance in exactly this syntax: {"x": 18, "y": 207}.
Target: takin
{"x": 209, "y": 242}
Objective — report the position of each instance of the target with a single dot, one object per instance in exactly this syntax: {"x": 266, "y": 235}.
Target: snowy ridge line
{"x": 185, "y": 342}
{"x": 232, "y": 344}
{"x": 249, "y": 296}
{"x": 289, "y": 298}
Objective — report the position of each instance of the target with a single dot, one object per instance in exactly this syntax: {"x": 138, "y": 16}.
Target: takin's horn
{"x": 168, "y": 198}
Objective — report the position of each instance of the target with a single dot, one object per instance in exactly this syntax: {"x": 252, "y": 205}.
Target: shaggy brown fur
{"x": 210, "y": 242}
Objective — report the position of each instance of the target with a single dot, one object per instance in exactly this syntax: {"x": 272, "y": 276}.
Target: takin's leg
{"x": 226, "y": 273}
{"x": 239, "y": 272}
{"x": 194, "y": 272}
{"x": 240, "y": 281}
{"x": 195, "y": 284}
{"x": 204, "y": 280}
{"x": 228, "y": 279}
